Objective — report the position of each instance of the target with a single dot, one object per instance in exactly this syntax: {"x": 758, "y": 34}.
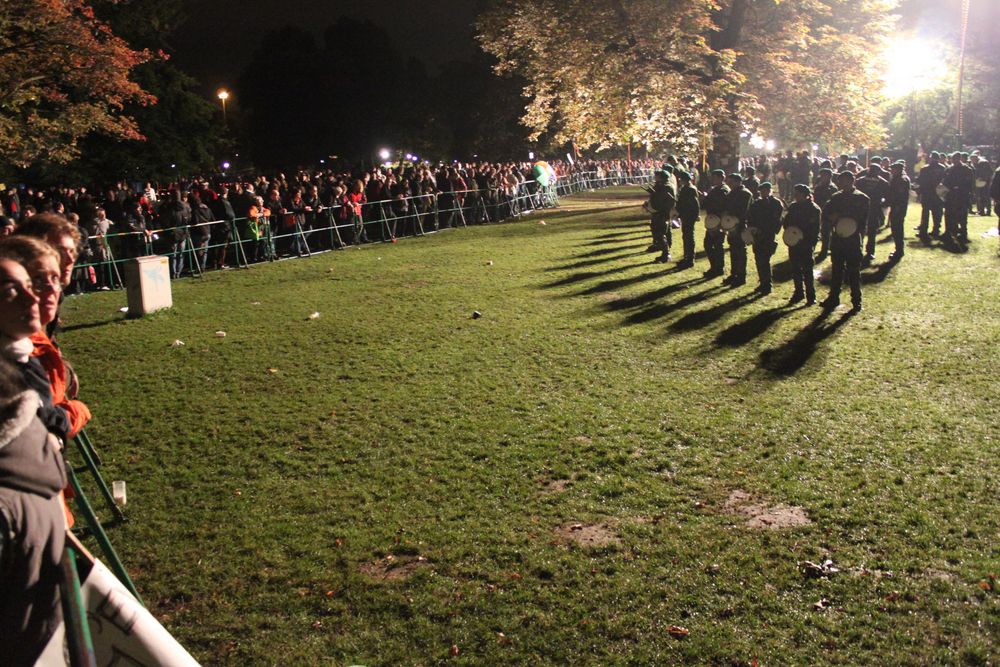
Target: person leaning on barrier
{"x": 689, "y": 209}
{"x": 201, "y": 226}
{"x": 222, "y": 230}
{"x": 715, "y": 205}
{"x": 847, "y": 211}
{"x": 32, "y": 523}
{"x": 737, "y": 205}
{"x": 764, "y": 223}
{"x": 176, "y": 214}
{"x": 803, "y": 218}
{"x": 898, "y": 200}
{"x": 65, "y": 239}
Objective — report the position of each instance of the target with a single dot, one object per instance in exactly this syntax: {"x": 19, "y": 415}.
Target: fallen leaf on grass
{"x": 677, "y": 632}
{"x": 177, "y": 343}
{"x": 453, "y": 651}
{"x": 541, "y": 222}
{"x": 272, "y": 371}
{"x": 821, "y": 605}
{"x": 314, "y": 316}
{"x": 220, "y": 334}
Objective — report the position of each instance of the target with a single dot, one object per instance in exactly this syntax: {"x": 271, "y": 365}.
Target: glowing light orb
{"x": 384, "y": 153}
{"x": 913, "y": 65}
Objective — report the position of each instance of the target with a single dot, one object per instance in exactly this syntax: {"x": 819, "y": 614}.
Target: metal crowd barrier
{"x": 247, "y": 241}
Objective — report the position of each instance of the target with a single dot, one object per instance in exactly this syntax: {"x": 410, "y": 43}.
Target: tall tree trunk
{"x": 726, "y": 131}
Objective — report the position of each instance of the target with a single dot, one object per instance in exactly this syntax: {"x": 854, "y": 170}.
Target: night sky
{"x": 216, "y": 42}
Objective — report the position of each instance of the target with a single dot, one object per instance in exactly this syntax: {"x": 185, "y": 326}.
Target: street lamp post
{"x": 223, "y": 95}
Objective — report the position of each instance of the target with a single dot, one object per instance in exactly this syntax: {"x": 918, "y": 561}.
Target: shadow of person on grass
{"x": 788, "y": 358}
{"x": 743, "y": 332}
{"x": 658, "y": 310}
{"x": 880, "y": 273}
{"x": 652, "y": 296}
{"x": 581, "y": 276}
{"x": 702, "y": 318}
{"x": 595, "y": 261}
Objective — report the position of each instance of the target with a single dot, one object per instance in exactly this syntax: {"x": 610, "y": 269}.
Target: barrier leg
{"x": 192, "y": 255}
{"x": 239, "y": 252}
{"x": 302, "y": 238}
{"x": 79, "y": 643}
{"x": 114, "y": 563}
{"x": 102, "y": 486}
{"x": 91, "y": 450}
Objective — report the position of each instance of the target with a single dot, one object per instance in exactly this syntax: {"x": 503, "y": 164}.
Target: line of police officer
{"x": 744, "y": 212}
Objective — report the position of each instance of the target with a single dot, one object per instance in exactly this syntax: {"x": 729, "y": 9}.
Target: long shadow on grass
{"x": 743, "y": 332}
{"x": 582, "y": 276}
{"x": 91, "y": 325}
{"x": 702, "y": 318}
{"x": 613, "y": 285}
{"x": 601, "y": 252}
{"x": 660, "y": 310}
{"x": 880, "y": 273}
{"x": 594, "y": 262}
{"x": 639, "y": 300}
{"x": 786, "y": 359}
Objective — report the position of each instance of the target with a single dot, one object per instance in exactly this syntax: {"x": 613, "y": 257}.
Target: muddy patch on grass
{"x": 556, "y": 485}
{"x": 594, "y": 535}
{"x": 761, "y": 516}
{"x": 393, "y": 568}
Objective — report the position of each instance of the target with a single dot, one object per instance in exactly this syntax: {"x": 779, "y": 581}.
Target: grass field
{"x": 601, "y": 456}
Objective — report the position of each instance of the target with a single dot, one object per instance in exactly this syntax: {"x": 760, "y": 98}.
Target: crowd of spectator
{"x": 213, "y": 223}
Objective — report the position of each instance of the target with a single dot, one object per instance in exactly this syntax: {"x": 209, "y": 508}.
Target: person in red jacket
{"x": 42, "y": 263}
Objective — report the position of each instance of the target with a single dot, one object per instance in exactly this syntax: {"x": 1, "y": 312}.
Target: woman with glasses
{"x": 42, "y": 264}
{"x": 32, "y": 474}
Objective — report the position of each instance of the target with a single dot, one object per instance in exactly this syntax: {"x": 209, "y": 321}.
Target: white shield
{"x": 845, "y": 227}
{"x": 712, "y": 221}
{"x": 747, "y": 235}
{"x": 730, "y": 222}
{"x": 941, "y": 190}
{"x": 792, "y": 236}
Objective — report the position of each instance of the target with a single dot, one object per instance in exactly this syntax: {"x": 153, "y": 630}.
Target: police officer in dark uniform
{"x": 930, "y": 203}
{"x": 751, "y": 182}
{"x": 737, "y": 204}
{"x": 877, "y": 188}
{"x": 804, "y": 214}
{"x": 764, "y": 221}
{"x": 960, "y": 180}
{"x": 688, "y": 208}
{"x": 715, "y": 204}
{"x": 984, "y": 171}
{"x": 661, "y": 203}
{"x": 995, "y": 194}
{"x": 824, "y": 189}
{"x": 898, "y": 200}
{"x": 845, "y": 248}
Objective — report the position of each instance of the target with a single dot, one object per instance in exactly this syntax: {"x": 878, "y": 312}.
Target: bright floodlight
{"x": 223, "y": 94}
{"x": 225, "y": 165}
{"x": 384, "y": 154}
{"x": 914, "y": 65}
